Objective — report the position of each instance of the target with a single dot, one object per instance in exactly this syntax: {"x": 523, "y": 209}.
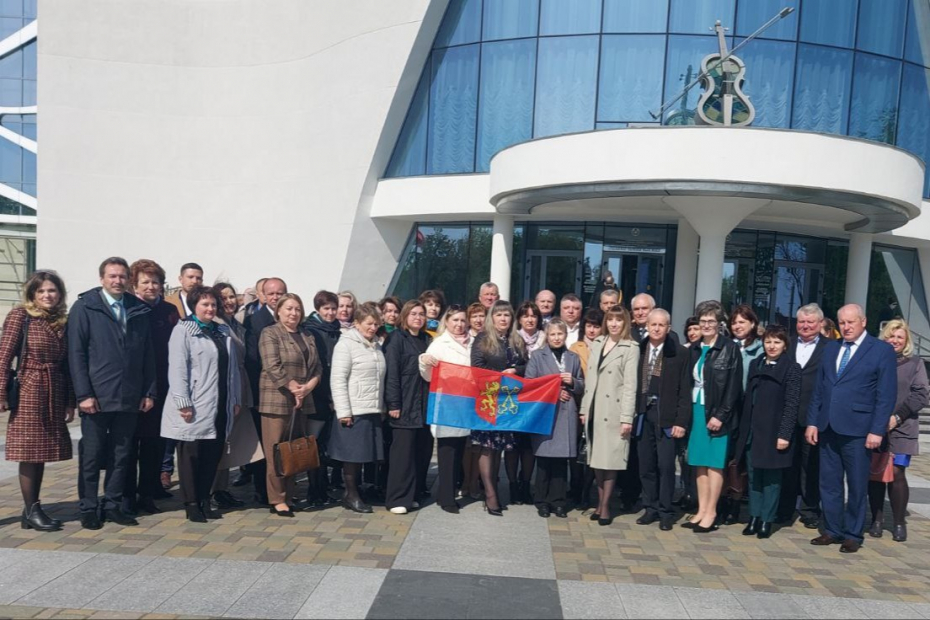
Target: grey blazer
{"x": 563, "y": 441}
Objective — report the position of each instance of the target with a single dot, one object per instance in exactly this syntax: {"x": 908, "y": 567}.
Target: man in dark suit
{"x": 853, "y": 400}
{"x": 273, "y": 289}
{"x": 803, "y": 478}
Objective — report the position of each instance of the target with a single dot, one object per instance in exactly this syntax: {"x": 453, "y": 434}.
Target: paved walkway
{"x": 334, "y": 563}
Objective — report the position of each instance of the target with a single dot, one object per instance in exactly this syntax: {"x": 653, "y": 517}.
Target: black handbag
{"x": 582, "y": 457}
{"x": 13, "y": 379}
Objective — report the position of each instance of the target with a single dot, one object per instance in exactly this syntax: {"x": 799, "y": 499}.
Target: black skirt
{"x": 363, "y": 442}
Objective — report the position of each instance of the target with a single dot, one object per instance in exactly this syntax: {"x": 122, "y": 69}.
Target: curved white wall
{"x": 241, "y": 135}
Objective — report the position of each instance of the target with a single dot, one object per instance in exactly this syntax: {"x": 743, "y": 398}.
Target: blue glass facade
{"x": 17, "y": 89}
{"x": 505, "y": 71}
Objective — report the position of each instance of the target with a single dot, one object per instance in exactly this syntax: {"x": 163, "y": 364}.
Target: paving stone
{"x": 279, "y": 593}
{"x": 650, "y": 601}
{"x": 886, "y": 609}
{"x": 762, "y": 605}
{"x": 707, "y": 603}
{"x": 823, "y": 607}
{"x": 84, "y": 583}
{"x": 150, "y": 586}
{"x": 213, "y": 591}
{"x": 34, "y": 571}
{"x": 590, "y": 600}
{"x": 329, "y": 599}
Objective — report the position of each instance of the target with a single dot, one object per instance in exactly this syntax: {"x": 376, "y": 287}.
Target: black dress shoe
{"x": 90, "y": 521}
{"x": 452, "y": 510}
{"x": 850, "y": 546}
{"x": 225, "y": 499}
{"x": 118, "y": 517}
{"x": 605, "y": 522}
{"x": 289, "y": 513}
{"x": 765, "y": 530}
{"x": 688, "y": 525}
{"x": 752, "y": 527}
{"x": 875, "y": 531}
{"x": 208, "y": 511}
{"x": 194, "y": 513}
{"x": 899, "y": 533}
{"x": 543, "y": 511}
{"x": 357, "y": 505}
{"x": 699, "y": 529}
{"x": 147, "y": 504}
{"x": 34, "y": 518}
{"x": 811, "y": 523}
{"x": 825, "y": 539}
{"x": 595, "y": 517}
{"x": 665, "y": 524}
{"x": 560, "y": 512}
{"x": 648, "y": 518}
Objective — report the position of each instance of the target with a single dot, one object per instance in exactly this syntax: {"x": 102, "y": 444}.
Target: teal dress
{"x": 703, "y": 450}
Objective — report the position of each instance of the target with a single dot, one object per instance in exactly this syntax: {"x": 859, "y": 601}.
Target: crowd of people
{"x": 213, "y": 382}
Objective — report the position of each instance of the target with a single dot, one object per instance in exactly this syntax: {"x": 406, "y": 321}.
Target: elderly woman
{"x": 609, "y": 404}
{"x": 453, "y": 345}
{"x": 499, "y": 347}
{"x": 903, "y": 430}
{"x": 717, "y": 367}
{"x": 406, "y": 394}
{"x": 37, "y": 432}
{"x": 357, "y": 383}
{"x": 552, "y": 451}
{"x": 291, "y": 370}
{"x": 206, "y": 392}
{"x": 766, "y": 431}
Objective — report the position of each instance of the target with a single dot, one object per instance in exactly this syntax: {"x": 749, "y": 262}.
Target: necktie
{"x": 652, "y": 359}
{"x": 847, "y": 351}
{"x": 118, "y": 313}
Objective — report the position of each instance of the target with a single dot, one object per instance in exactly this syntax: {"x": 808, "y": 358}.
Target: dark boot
{"x": 752, "y": 527}
{"x": 194, "y": 513}
{"x": 765, "y": 530}
{"x": 35, "y": 519}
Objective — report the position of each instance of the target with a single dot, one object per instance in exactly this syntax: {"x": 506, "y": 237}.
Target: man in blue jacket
{"x": 853, "y": 400}
{"x": 112, "y": 365}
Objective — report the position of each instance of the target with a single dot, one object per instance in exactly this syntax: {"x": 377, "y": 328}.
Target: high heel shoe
{"x": 752, "y": 527}
{"x": 606, "y": 521}
{"x": 699, "y": 529}
{"x": 493, "y": 512}
{"x": 688, "y": 525}
{"x": 282, "y": 513}
{"x": 876, "y": 530}
{"x": 194, "y": 513}
{"x": 595, "y": 517}
{"x": 35, "y": 519}
{"x": 899, "y": 533}
{"x": 356, "y": 505}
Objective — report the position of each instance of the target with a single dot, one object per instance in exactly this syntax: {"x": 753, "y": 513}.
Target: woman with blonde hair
{"x": 499, "y": 347}
{"x": 609, "y": 404}
{"x": 903, "y": 430}
{"x": 345, "y": 311}
{"x": 37, "y": 432}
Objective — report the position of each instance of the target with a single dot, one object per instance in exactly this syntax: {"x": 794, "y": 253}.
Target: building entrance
{"x": 559, "y": 271}
{"x": 795, "y": 285}
{"x": 635, "y": 272}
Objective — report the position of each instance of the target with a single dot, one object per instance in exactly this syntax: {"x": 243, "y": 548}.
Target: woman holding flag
{"x": 453, "y": 345}
{"x": 608, "y": 405}
{"x": 498, "y": 347}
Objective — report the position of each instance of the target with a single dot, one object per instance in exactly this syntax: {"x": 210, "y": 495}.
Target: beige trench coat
{"x": 609, "y": 402}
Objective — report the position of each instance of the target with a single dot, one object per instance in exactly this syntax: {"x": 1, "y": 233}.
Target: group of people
{"x": 216, "y": 384}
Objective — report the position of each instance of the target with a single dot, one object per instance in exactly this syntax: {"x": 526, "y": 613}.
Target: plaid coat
{"x": 37, "y": 432}
{"x": 283, "y": 362}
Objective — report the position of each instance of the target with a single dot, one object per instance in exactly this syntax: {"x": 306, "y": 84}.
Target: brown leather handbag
{"x": 296, "y": 456}
{"x": 737, "y": 480}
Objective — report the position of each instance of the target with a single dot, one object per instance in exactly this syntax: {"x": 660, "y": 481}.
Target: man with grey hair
{"x": 640, "y": 306}
{"x": 609, "y": 298}
{"x": 545, "y": 301}
{"x": 853, "y": 399}
{"x": 488, "y": 294}
{"x": 803, "y": 478}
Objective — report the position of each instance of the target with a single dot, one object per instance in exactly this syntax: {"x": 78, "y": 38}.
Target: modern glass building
{"x": 394, "y": 147}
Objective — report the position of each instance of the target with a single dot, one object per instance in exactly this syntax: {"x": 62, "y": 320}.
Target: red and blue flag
{"x": 485, "y": 400}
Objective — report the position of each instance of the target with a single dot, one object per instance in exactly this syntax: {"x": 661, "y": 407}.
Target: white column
{"x": 857, "y": 269}
{"x": 710, "y": 267}
{"x": 502, "y": 253}
{"x": 686, "y": 249}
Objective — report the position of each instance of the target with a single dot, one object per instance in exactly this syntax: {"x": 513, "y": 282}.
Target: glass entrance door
{"x": 556, "y": 270}
{"x": 635, "y": 273}
{"x": 795, "y": 285}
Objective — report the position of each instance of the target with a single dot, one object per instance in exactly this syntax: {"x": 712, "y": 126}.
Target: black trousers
{"x": 449, "y": 453}
{"x": 628, "y": 480}
{"x": 411, "y": 451}
{"x": 197, "y": 463}
{"x": 106, "y": 443}
{"x": 551, "y": 481}
{"x": 688, "y": 482}
{"x": 258, "y": 469}
{"x": 802, "y": 478}
{"x": 145, "y": 460}
{"x": 656, "y": 454}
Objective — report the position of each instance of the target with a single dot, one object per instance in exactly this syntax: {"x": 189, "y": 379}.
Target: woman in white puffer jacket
{"x": 452, "y": 344}
{"x": 357, "y": 385}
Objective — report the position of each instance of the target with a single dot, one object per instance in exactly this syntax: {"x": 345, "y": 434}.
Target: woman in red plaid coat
{"x": 37, "y": 432}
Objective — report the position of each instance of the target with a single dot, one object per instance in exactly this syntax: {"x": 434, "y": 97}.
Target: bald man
{"x": 545, "y": 301}
{"x": 853, "y": 400}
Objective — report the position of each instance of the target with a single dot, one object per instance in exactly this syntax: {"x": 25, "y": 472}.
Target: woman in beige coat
{"x": 291, "y": 370}
{"x": 609, "y": 404}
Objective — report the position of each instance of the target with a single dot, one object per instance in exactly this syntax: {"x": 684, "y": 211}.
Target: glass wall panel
{"x": 769, "y": 80}
{"x": 684, "y": 64}
{"x": 510, "y": 19}
{"x": 461, "y": 24}
{"x": 575, "y": 17}
{"x": 873, "y": 113}
{"x": 913, "y": 119}
{"x": 831, "y": 22}
{"x": 635, "y": 15}
{"x": 690, "y": 17}
{"x": 892, "y": 275}
{"x": 881, "y": 26}
{"x": 409, "y": 157}
{"x": 566, "y": 83}
{"x": 917, "y": 40}
{"x": 505, "y": 111}
{"x": 821, "y": 97}
{"x": 752, "y": 14}
{"x": 834, "y": 282}
{"x": 610, "y": 125}
{"x": 11, "y": 163}
{"x": 479, "y": 261}
{"x": 631, "y": 77}
{"x": 453, "y": 113}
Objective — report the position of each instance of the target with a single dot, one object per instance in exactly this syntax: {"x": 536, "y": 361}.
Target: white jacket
{"x": 445, "y": 349}
{"x": 357, "y": 376}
